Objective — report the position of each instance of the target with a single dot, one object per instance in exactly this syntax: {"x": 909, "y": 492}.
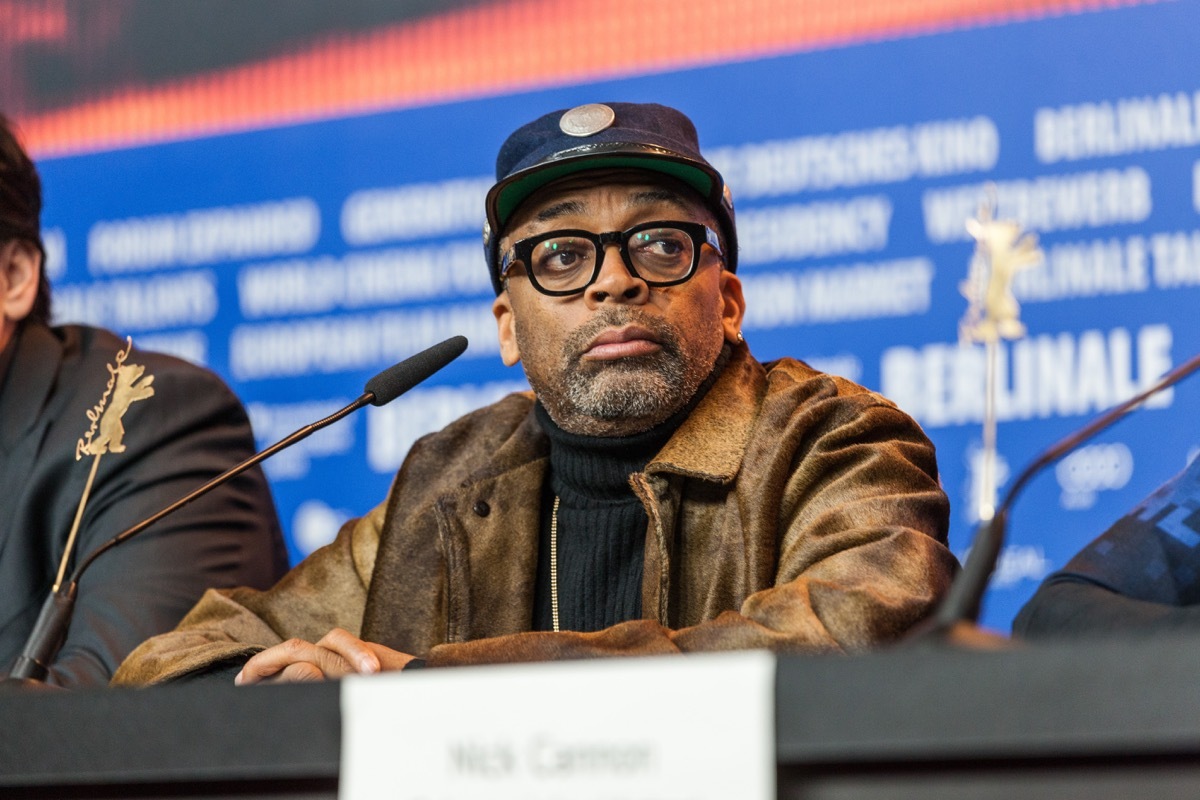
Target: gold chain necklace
{"x": 554, "y": 564}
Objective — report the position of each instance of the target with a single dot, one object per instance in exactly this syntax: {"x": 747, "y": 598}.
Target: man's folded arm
{"x": 847, "y": 604}
{"x": 327, "y": 590}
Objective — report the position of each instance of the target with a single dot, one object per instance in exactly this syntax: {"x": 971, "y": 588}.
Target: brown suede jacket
{"x": 792, "y": 510}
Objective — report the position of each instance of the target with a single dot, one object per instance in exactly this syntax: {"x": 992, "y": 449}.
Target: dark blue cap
{"x": 602, "y": 136}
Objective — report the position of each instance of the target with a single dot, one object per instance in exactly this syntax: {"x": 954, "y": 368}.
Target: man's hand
{"x": 339, "y": 653}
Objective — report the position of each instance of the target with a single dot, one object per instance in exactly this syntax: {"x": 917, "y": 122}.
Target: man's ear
{"x": 21, "y": 263}
{"x": 733, "y": 307}
{"x": 502, "y": 310}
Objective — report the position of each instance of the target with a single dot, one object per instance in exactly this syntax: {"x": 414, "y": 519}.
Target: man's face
{"x": 20, "y": 270}
{"x": 621, "y": 356}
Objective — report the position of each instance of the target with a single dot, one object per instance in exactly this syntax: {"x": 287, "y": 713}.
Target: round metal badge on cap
{"x": 587, "y": 120}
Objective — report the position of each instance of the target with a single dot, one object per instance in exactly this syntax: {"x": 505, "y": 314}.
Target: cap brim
{"x": 507, "y": 195}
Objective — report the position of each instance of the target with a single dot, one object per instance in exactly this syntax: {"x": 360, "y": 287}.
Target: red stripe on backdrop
{"x": 498, "y": 47}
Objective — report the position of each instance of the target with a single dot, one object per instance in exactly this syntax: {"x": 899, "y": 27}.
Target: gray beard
{"x": 626, "y": 396}
{"x": 623, "y": 390}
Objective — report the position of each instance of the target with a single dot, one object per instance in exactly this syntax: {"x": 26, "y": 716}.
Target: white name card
{"x": 674, "y": 728}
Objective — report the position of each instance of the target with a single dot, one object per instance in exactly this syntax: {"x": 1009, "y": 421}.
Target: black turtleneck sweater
{"x": 601, "y": 523}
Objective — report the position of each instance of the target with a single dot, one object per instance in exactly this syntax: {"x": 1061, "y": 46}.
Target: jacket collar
{"x": 38, "y": 354}
{"x": 731, "y": 407}
{"x": 527, "y": 443}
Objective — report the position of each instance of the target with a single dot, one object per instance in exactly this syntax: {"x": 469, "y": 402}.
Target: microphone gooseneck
{"x": 963, "y": 600}
{"x": 55, "y": 617}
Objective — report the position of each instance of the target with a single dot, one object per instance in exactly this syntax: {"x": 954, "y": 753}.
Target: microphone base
{"x": 47, "y": 636}
{"x": 957, "y": 635}
{"x": 27, "y": 685}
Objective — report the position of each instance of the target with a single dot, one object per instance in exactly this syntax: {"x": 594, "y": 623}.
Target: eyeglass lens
{"x": 658, "y": 255}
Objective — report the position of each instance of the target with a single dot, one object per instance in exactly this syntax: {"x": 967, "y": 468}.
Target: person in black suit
{"x": 190, "y": 430}
{"x": 1142, "y": 575}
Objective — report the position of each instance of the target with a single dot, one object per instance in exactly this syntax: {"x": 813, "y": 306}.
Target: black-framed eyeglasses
{"x": 661, "y": 253}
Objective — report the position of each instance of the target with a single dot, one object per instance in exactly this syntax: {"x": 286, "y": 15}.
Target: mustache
{"x": 576, "y": 344}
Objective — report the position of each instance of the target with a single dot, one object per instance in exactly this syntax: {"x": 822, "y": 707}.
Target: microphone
{"x": 963, "y": 601}
{"x": 55, "y": 617}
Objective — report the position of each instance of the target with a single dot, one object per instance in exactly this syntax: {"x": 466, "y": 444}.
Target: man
{"x": 191, "y": 429}
{"x": 660, "y": 491}
{"x": 1141, "y": 576}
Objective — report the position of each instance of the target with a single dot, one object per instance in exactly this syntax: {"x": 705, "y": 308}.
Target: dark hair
{"x": 21, "y": 208}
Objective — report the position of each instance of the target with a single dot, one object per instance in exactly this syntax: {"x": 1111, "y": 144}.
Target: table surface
{"x": 1115, "y": 715}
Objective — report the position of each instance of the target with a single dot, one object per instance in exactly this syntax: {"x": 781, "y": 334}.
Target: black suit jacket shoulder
{"x": 192, "y": 429}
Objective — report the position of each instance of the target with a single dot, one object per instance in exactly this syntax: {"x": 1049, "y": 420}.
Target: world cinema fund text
{"x": 832, "y": 293}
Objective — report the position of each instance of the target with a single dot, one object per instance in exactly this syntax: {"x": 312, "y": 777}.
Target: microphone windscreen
{"x": 399, "y": 378}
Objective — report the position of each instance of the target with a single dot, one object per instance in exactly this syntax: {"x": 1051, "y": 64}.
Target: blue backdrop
{"x": 299, "y": 261}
